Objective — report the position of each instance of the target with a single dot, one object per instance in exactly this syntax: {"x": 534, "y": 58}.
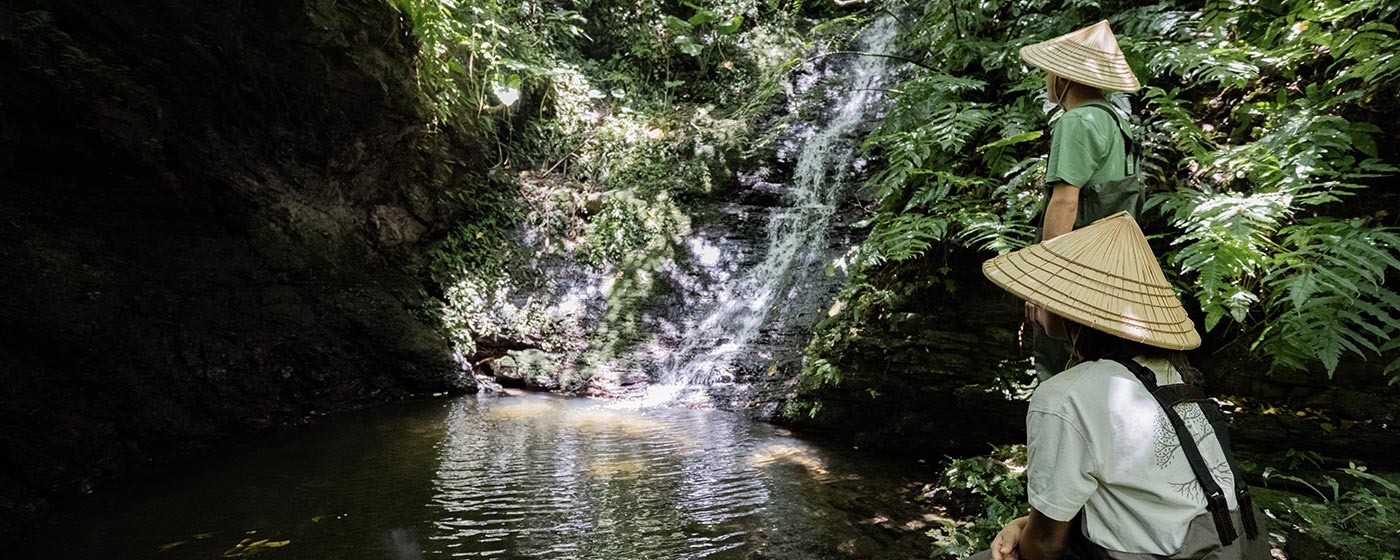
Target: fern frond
{"x": 990, "y": 232}
{"x": 905, "y": 237}
{"x": 1226, "y": 242}
{"x": 1328, "y": 292}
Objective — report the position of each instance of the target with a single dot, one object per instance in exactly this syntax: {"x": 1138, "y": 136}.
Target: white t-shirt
{"x": 1098, "y": 440}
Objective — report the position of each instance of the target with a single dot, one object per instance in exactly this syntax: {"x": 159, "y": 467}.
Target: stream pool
{"x": 531, "y": 476}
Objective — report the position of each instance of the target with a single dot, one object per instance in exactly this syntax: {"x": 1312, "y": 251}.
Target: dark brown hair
{"x": 1091, "y": 344}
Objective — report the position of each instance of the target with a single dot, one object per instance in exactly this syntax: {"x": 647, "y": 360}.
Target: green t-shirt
{"x": 1086, "y": 147}
{"x": 1087, "y": 151}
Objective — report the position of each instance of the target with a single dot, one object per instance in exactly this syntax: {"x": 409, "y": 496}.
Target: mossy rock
{"x": 534, "y": 369}
{"x": 1359, "y": 525}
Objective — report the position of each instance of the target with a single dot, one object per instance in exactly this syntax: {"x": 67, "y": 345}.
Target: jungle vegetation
{"x": 1267, "y": 128}
{"x": 1268, "y": 139}
{"x": 1269, "y": 145}
{"x": 623, "y": 113}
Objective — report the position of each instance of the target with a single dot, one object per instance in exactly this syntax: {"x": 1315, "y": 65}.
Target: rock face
{"x": 1349, "y": 416}
{"x": 941, "y": 375}
{"x": 214, "y": 217}
{"x": 734, "y": 278}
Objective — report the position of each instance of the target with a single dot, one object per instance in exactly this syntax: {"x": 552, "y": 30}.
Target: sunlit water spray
{"x": 796, "y": 232}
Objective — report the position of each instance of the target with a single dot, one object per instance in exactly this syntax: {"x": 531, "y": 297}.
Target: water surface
{"x": 533, "y": 476}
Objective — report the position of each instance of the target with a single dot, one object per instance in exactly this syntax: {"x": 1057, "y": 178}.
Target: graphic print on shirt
{"x": 1165, "y": 445}
{"x": 1192, "y": 489}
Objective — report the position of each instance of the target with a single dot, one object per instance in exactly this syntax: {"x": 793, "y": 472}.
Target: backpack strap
{"x": 1168, "y": 396}
{"x": 1221, "y": 425}
{"x": 1131, "y": 150}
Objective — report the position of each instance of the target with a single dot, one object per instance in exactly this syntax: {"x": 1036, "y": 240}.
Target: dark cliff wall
{"x": 213, "y": 217}
{"x": 938, "y": 373}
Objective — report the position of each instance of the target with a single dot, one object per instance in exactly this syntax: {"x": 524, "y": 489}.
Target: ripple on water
{"x": 645, "y": 483}
{"x": 511, "y": 478}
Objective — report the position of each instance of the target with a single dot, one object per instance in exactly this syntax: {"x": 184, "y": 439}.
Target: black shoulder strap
{"x": 1131, "y": 150}
{"x": 1168, "y": 396}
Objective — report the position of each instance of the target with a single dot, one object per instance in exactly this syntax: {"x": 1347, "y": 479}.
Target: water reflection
{"x": 571, "y": 479}
{"x": 521, "y": 477}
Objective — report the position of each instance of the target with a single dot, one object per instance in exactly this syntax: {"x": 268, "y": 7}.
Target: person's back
{"x": 1088, "y": 146}
{"x": 1098, "y": 438}
{"x": 1093, "y": 165}
{"x": 1091, "y": 149}
{"x": 1127, "y": 457}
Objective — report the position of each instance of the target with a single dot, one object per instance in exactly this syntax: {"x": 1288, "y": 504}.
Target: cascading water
{"x": 796, "y": 232}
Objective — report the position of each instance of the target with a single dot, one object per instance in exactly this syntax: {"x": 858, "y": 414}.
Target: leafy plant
{"x": 1327, "y": 293}
{"x": 1298, "y": 458}
{"x": 467, "y": 53}
{"x": 981, "y": 495}
{"x": 1256, "y": 244}
{"x": 1260, "y": 124}
{"x": 1358, "y": 517}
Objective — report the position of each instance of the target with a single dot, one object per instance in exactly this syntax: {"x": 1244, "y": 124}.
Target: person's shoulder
{"x": 1080, "y": 382}
{"x": 1082, "y": 120}
{"x": 1083, "y": 371}
{"x": 1091, "y": 112}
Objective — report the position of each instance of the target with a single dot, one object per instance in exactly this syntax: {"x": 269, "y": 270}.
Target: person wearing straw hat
{"x": 1089, "y": 174}
{"x": 1126, "y": 457}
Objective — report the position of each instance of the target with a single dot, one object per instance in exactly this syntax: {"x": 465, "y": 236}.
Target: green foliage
{"x": 817, "y": 371}
{"x": 1226, "y": 241}
{"x": 629, "y": 229}
{"x": 690, "y": 50}
{"x": 481, "y": 271}
{"x": 613, "y": 103}
{"x": 475, "y": 56}
{"x": 1261, "y": 126}
{"x": 1355, "y": 517}
{"x": 1327, "y": 293}
{"x": 980, "y": 495}
{"x": 481, "y": 243}
{"x": 1297, "y": 458}
{"x": 1249, "y": 199}
{"x": 703, "y": 31}
{"x": 824, "y": 372}
{"x": 932, "y": 194}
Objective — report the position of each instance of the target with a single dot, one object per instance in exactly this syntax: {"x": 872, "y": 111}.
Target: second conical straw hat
{"x": 1103, "y": 276}
{"x": 1089, "y": 56}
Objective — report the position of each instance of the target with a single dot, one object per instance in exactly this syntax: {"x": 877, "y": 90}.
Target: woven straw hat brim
{"x": 1104, "y": 69}
{"x": 1103, "y": 277}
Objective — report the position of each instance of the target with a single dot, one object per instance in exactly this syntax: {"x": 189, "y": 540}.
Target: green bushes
{"x": 978, "y": 495}
{"x": 1256, "y": 203}
{"x": 474, "y": 57}
{"x": 1261, "y": 123}
{"x": 1354, "y": 516}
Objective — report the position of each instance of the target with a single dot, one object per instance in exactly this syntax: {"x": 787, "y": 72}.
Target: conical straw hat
{"x": 1089, "y": 56}
{"x": 1103, "y": 276}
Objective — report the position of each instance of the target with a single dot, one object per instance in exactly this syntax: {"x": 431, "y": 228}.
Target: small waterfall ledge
{"x": 721, "y": 317}
{"x": 797, "y": 250}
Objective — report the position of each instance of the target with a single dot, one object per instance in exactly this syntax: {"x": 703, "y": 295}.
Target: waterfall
{"x": 796, "y": 231}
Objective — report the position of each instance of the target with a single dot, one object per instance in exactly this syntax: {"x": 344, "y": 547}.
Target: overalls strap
{"x": 1132, "y": 151}
{"x": 1168, "y": 396}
